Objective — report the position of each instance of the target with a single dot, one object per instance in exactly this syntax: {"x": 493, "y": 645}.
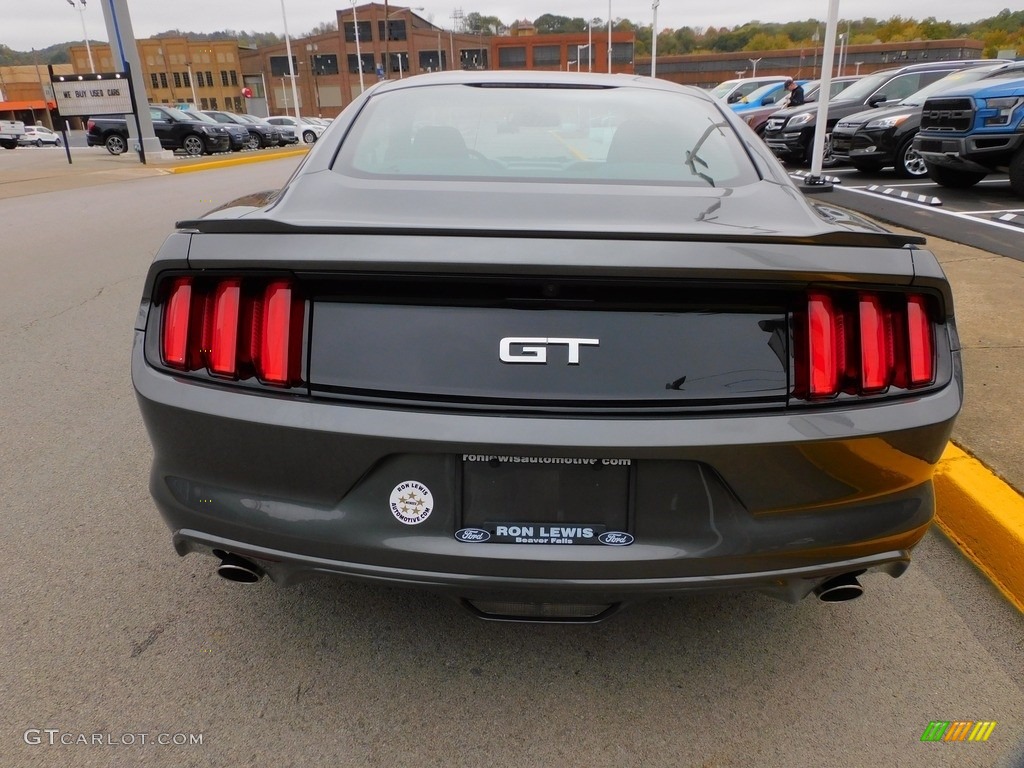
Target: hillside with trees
{"x": 1005, "y": 31}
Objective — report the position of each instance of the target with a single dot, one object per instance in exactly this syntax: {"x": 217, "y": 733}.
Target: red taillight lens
{"x": 863, "y": 344}
{"x": 223, "y": 349}
{"x": 876, "y": 344}
{"x": 177, "y": 311}
{"x": 234, "y": 328}
{"x": 826, "y": 345}
{"x": 921, "y": 342}
{"x": 272, "y": 362}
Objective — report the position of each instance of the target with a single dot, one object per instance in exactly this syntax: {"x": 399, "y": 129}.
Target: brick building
{"x": 708, "y": 69}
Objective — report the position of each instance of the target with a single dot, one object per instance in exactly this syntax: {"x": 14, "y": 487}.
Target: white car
{"x": 309, "y": 129}
{"x": 39, "y": 135}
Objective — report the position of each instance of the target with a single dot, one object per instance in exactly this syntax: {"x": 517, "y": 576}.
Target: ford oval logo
{"x": 616, "y": 538}
{"x": 472, "y": 534}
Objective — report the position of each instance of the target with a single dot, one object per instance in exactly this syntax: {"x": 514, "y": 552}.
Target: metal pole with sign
{"x": 104, "y": 93}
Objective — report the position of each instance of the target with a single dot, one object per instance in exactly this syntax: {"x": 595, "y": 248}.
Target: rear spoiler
{"x": 836, "y": 238}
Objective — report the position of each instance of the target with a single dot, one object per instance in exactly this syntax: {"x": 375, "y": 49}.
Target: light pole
{"x": 839, "y": 67}
{"x": 609, "y": 37}
{"x": 359, "y": 50}
{"x": 80, "y": 7}
{"x": 754, "y": 63}
{"x": 291, "y": 67}
{"x": 314, "y": 61}
{"x": 654, "y": 39}
{"x": 387, "y": 39}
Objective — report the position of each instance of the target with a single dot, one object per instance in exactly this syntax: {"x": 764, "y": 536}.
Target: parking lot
{"x": 987, "y": 216}
{"x": 108, "y": 632}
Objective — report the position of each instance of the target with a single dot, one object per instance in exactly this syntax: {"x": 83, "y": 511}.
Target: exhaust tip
{"x": 839, "y": 589}
{"x": 237, "y": 569}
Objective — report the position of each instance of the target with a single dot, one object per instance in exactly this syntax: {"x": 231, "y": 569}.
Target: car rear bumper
{"x": 777, "y": 502}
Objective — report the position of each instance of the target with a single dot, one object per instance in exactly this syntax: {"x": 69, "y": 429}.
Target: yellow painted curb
{"x": 236, "y": 161}
{"x": 984, "y": 517}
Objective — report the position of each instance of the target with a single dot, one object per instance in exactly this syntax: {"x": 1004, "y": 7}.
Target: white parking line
{"x": 954, "y": 214}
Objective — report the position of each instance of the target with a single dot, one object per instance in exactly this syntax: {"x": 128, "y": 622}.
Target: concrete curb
{"x": 984, "y": 517}
{"x": 211, "y": 164}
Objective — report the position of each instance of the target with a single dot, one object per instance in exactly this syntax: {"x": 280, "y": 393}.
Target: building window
{"x": 549, "y": 55}
{"x": 368, "y": 66}
{"x": 364, "y": 32}
{"x": 473, "y": 58}
{"x": 512, "y": 58}
{"x": 177, "y": 79}
{"x": 399, "y": 61}
{"x": 163, "y": 79}
{"x": 204, "y": 103}
{"x": 234, "y": 77}
{"x": 224, "y": 78}
{"x": 395, "y": 30}
{"x": 428, "y": 61}
{"x": 325, "y": 64}
{"x": 279, "y": 66}
{"x": 152, "y": 77}
{"x": 238, "y": 104}
{"x": 622, "y": 53}
{"x": 213, "y": 103}
{"x": 209, "y": 79}
{"x": 186, "y": 79}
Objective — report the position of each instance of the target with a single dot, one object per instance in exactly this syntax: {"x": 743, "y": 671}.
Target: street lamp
{"x": 579, "y": 54}
{"x": 654, "y": 39}
{"x": 291, "y": 67}
{"x": 387, "y": 39}
{"x": 359, "y": 51}
{"x": 80, "y": 7}
{"x": 314, "y": 61}
{"x": 839, "y": 67}
{"x": 609, "y": 37}
{"x": 754, "y": 63}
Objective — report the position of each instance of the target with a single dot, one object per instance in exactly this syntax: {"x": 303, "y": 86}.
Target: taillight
{"x": 223, "y": 344}
{"x": 826, "y": 345}
{"x": 234, "y": 328}
{"x": 177, "y": 311}
{"x": 921, "y": 346}
{"x": 863, "y": 344}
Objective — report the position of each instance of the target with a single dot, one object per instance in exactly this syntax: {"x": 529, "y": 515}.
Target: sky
{"x": 24, "y": 26}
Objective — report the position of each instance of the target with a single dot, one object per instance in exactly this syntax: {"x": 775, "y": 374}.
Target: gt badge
{"x": 411, "y": 502}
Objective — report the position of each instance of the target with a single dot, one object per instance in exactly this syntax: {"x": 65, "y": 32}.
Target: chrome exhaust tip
{"x": 839, "y": 589}
{"x": 238, "y": 569}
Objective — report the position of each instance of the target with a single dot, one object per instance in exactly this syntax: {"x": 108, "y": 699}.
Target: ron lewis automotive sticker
{"x": 536, "y": 533}
{"x": 411, "y": 502}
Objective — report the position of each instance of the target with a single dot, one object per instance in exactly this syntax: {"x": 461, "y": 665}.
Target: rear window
{"x": 587, "y": 134}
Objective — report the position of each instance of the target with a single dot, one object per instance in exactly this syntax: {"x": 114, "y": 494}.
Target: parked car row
{"x": 873, "y": 121}
{"x": 193, "y": 132}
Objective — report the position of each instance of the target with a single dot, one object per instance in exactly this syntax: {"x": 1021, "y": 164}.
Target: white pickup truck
{"x": 10, "y": 132}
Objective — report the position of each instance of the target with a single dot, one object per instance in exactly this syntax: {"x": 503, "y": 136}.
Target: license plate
{"x": 541, "y": 500}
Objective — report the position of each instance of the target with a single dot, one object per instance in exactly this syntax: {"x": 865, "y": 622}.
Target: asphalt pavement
{"x": 106, "y": 632}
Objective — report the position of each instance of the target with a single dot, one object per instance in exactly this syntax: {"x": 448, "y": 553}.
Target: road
{"x": 106, "y": 631}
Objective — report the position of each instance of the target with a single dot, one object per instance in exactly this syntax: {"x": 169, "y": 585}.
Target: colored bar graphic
{"x": 982, "y": 731}
{"x": 958, "y": 730}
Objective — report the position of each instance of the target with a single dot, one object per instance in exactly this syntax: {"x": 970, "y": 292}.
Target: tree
{"x": 322, "y": 28}
{"x": 478, "y": 24}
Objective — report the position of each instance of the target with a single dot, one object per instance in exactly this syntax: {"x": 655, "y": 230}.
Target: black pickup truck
{"x": 176, "y": 130}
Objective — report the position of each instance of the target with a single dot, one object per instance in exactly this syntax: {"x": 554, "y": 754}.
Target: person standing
{"x": 796, "y": 93}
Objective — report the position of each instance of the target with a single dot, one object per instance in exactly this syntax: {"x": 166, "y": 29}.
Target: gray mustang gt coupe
{"x": 548, "y": 343}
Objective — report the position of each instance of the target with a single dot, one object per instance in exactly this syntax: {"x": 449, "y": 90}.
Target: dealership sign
{"x": 96, "y": 94}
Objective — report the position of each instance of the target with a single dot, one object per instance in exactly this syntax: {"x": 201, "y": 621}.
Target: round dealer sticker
{"x": 411, "y": 502}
